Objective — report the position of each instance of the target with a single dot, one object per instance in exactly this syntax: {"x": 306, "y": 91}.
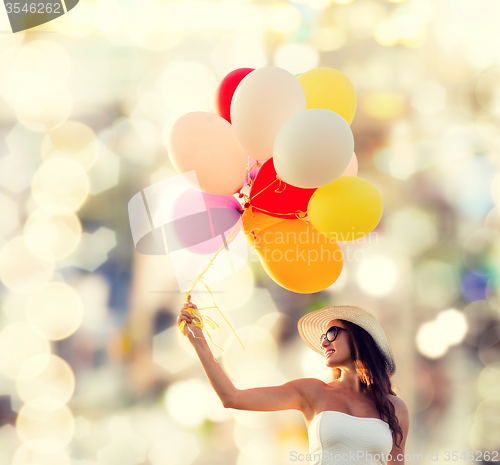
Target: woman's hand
{"x": 190, "y": 330}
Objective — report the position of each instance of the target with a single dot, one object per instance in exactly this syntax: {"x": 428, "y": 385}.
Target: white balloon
{"x": 313, "y": 148}
{"x": 263, "y": 101}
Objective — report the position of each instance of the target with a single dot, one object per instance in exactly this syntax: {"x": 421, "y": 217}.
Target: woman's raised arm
{"x": 290, "y": 396}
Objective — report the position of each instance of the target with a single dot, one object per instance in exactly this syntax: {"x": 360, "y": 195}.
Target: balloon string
{"x": 281, "y": 188}
{"x": 198, "y": 279}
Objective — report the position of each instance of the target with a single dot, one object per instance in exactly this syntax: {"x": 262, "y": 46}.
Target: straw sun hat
{"x": 312, "y": 325}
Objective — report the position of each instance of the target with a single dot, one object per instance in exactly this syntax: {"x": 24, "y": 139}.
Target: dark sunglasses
{"x": 331, "y": 334}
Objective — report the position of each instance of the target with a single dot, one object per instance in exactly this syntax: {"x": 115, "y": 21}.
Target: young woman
{"x": 355, "y": 418}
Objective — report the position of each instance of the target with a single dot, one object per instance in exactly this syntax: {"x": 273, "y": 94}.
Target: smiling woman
{"x": 357, "y": 416}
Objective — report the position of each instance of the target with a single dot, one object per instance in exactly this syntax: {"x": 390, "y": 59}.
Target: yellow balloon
{"x": 346, "y": 209}
{"x": 298, "y": 257}
{"x": 254, "y": 221}
{"x": 330, "y": 89}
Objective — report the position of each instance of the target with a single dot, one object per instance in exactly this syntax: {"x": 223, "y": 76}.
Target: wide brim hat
{"x": 312, "y": 325}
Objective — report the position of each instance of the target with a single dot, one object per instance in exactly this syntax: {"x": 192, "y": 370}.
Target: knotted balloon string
{"x": 200, "y": 324}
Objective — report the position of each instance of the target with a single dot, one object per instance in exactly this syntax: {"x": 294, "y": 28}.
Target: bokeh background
{"x": 93, "y": 370}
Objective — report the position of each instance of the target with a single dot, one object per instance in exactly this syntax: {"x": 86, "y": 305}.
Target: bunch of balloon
{"x": 284, "y": 145}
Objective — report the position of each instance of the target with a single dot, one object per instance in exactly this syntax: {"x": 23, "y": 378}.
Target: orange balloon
{"x": 298, "y": 257}
{"x": 254, "y": 221}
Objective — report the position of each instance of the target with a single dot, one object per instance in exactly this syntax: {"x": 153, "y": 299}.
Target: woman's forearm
{"x": 220, "y": 382}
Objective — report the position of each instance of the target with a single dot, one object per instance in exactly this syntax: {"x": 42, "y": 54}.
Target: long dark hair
{"x": 370, "y": 363}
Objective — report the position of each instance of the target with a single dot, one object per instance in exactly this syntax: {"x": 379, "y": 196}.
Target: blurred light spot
{"x": 485, "y": 436}
{"x": 46, "y": 376}
{"x": 296, "y": 58}
{"x": 187, "y": 401}
{"x": 436, "y": 283}
{"x": 16, "y": 171}
{"x": 74, "y": 140}
{"x": 488, "y": 407}
{"x": 18, "y": 343}
{"x": 45, "y": 112}
{"x": 480, "y": 316}
{"x": 132, "y": 139}
{"x": 105, "y": 173}
{"x": 60, "y": 186}
{"x": 146, "y": 26}
{"x": 126, "y": 447}
{"x": 168, "y": 352}
{"x": 327, "y": 39}
{"x": 386, "y": 33}
{"x": 429, "y": 340}
{"x": 453, "y": 325}
{"x": 283, "y": 17}
{"x": 429, "y": 98}
{"x": 489, "y": 380}
{"x": 383, "y": 105}
{"x": 377, "y": 275}
{"x": 481, "y": 252}
{"x": 77, "y": 23}
{"x": 93, "y": 250}
{"x": 52, "y": 237}
{"x": 55, "y": 310}
{"x": 489, "y": 346}
{"x": 493, "y": 292}
{"x": 473, "y": 286}
{"x": 25, "y": 455}
{"x": 38, "y": 68}
{"x": 49, "y": 429}
{"x": 435, "y": 337}
{"x": 10, "y": 215}
{"x": 403, "y": 162}
{"x": 108, "y": 17}
{"x": 495, "y": 188}
{"x": 342, "y": 2}
{"x": 413, "y": 228}
{"x": 246, "y": 49}
{"x": 179, "y": 448}
{"x": 492, "y": 220}
{"x": 20, "y": 270}
{"x": 363, "y": 18}
{"x": 13, "y": 307}
{"x": 187, "y": 86}
{"x": 260, "y": 348}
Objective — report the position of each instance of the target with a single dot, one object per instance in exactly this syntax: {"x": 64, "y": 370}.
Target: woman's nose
{"x": 325, "y": 342}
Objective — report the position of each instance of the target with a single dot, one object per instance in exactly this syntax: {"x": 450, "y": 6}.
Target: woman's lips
{"x": 329, "y": 352}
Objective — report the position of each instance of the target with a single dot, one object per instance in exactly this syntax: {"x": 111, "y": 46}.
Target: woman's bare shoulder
{"x": 401, "y": 409}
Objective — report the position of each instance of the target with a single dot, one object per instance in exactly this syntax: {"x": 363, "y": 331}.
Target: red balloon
{"x": 275, "y": 197}
{"x": 225, "y": 91}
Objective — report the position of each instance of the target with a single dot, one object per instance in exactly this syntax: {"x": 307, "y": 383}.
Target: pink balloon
{"x": 203, "y": 232}
{"x": 206, "y": 143}
{"x": 352, "y": 169}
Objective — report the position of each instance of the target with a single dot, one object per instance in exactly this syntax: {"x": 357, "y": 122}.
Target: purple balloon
{"x": 203, "y": 232}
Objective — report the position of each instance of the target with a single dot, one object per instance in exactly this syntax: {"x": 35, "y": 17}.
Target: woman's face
{"x": 338, "y": 352}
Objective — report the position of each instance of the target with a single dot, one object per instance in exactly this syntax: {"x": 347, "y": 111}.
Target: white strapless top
{"x": 336, "y": 438}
